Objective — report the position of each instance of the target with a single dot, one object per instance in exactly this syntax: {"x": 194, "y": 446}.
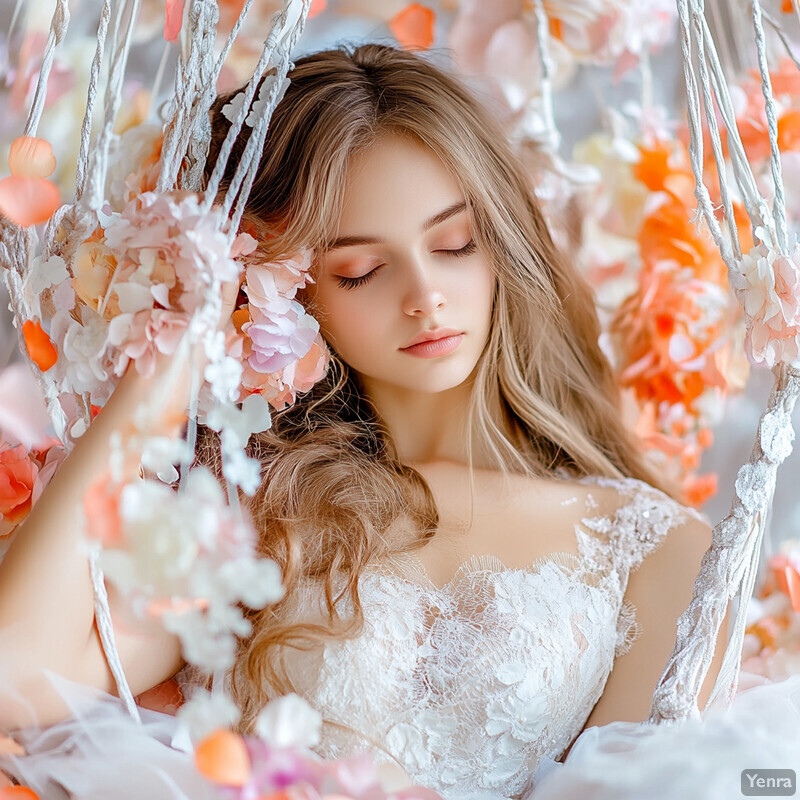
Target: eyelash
{"x": 351, "y": 283}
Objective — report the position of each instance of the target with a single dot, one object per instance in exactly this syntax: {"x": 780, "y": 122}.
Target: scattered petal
{"x": 31, "y": 157}
{"x": 413, "y": 27}
{"x": 40, "y": 348}
{"x": 28, "y": 201}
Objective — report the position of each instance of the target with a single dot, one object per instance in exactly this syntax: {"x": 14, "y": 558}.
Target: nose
{"x": 422, "y": 295}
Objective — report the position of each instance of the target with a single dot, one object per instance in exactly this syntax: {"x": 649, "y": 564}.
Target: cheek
{"x": 348, "y": 323}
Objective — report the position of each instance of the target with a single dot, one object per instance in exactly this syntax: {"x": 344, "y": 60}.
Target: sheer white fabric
{"x": 468, "y": 687}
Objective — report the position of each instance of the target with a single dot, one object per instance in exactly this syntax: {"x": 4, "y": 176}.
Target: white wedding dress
{"x": 468, "y": 687}
{"x": 475, "y": 689}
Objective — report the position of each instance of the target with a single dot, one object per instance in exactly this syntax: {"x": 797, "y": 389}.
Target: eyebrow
{"x": 436, "y": 219}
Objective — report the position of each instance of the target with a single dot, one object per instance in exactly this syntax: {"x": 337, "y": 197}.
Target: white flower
{"x": 253, "y": 417}
{"x": 289, "y": 721}
{"x": 239, "y": 469}
{"x": 206, "y": 712}
{"x": 160, "y": 454}
{"x": 83, "y": 345}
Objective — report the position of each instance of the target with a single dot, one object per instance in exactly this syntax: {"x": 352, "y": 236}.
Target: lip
{"x": 433, "y": 348}
{"x": 431, "y": 336}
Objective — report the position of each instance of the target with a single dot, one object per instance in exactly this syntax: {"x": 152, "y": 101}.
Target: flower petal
{"x": 40, "y": 348}
{"x": 31, "y": 157}
{"x": 28, "y": 201}
{"x": 173, "y": 19}
{"x": 413, "y": 27}
{"x": 222, "y": 757}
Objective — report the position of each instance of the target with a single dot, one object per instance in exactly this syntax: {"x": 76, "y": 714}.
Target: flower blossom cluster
{"x": 768, "y": 287}
{"x": 771, "y": 650}
{"x": 672, "y": 332}
{"x": 277, "y": 762}
{"x": 184, "y": 557}
{"x": 282, "y": 349}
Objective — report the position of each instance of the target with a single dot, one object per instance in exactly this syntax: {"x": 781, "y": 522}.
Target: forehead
{"x": 396, "y": 182}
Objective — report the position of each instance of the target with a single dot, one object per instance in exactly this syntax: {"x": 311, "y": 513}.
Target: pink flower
{"x": 140, "y": 336}
{"x": 280, "y": 334}
{"x": 769, "y": 291}
{"x": 18, "y": 474}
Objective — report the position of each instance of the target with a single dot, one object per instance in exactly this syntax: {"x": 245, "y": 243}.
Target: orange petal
{"x": 28, "y": 201}
{"x": 413, "y": 27}
{"x": 40, "y": 348}
{"x": 173, "y": 19}
{"x": 789, "y": 130}
{"x": 222, "y": 757}
{"x": 30, "y": 157}
{"x": 18, "y": 793}
{"x": 317, "y": 7}
{"x": 786, "y": 6}
{"x": 793, "y": 586}
{"x": 101, "y": 507}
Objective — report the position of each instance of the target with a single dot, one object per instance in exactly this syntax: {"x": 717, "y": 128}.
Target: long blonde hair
{"x": 544, "y": 397}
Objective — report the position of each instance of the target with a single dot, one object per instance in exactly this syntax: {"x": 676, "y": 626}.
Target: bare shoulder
{"x": 660, "y": 590}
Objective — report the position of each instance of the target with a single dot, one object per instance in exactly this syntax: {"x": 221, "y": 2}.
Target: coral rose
{"x": 18, "y": 476}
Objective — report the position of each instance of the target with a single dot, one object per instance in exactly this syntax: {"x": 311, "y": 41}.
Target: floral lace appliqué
{"x": 470, "y": 685}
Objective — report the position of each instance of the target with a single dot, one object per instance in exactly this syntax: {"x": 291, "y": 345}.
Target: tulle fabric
{"x": 700, "y": 759}
{"x": 103, "y": 753}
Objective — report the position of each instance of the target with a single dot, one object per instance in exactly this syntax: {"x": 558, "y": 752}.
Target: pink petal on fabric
{"x": 31, "y": 157}
{"x": 23, "y": 415}
{"x": 28, "y": 201}
{"x": 173, "y": 19}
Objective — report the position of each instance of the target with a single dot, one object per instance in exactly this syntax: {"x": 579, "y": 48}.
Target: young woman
{"x": 479, "y": 563}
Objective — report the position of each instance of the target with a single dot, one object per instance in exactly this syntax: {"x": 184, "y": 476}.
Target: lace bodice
{"x": 468, "y": 686}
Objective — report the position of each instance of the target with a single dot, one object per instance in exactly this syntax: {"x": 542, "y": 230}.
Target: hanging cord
{"x": 779, "y": 204}
{"x": 552, "y": 137}
{"x": 58, "y": 30}
{"x": 105, "y": 629}
{"x": 94, "y": 77}
{"x": 98, "y": 156}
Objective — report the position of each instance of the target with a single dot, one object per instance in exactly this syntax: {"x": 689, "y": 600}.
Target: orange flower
{"x": 101, "y": 507}
{"x": 18, "y": 793}
{"x": 413, "y": 27}
{"x": 222, "y": 757}
{"x": 17, "y": 481}
{"x": 38, "y": 345}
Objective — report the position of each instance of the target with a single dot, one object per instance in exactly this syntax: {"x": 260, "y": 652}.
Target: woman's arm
{"x": 46, "y": 595}
{"x": 661, "y": 590}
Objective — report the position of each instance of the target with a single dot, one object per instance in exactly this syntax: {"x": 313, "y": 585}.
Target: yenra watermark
{"x": 769, "y": 782}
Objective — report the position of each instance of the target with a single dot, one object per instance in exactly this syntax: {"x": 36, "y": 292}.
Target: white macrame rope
{"x": 552, "y": 136}
{"x": 779, "y": 205}
{"x": 212, "y": 188}
{"x": 123, "y": 31}
{"x": 775, "y": 25}
{"x": 754, "y": 203}
{"x": 94, "y": 77}
{"x": 187, "y": 79}
{"x": 716, "y": 141}
{"x": 105, "y": 628}
{"x": 255, "y": 144}
{"x": 58, "y": 30}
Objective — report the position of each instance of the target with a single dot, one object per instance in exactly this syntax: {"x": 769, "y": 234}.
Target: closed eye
{"x": 351, "y": 283}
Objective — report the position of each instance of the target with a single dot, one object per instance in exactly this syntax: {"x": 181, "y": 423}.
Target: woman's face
{"x": 404, "y": 262}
